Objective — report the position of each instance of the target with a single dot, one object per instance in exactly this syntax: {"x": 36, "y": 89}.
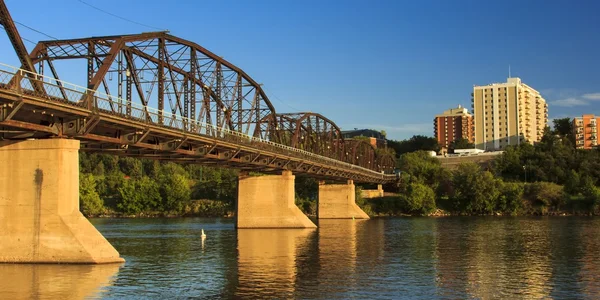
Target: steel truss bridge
{"x": 157, "y": 96}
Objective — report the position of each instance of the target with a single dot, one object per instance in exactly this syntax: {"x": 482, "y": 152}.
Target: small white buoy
{"x": 203, "y": 236}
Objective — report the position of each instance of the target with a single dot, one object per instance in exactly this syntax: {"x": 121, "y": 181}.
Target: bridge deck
{"x": 111, "y": 125}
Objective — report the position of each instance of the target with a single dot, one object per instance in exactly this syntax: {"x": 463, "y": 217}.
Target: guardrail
{"x": 65, "y": 92}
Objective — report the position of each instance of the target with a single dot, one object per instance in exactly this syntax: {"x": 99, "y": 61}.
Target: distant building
{"x": 507, "y": 114}
{"x": 453, "y": 124}
{"x": 376, "y": 138}
{"x": 586, "y": 131}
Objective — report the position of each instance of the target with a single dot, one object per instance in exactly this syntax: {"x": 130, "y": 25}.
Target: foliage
{"x": 475, "y": 191}
{"x": 461, "y": 144}
{"x": 546, "y": 196}
{"x": 563, "y": 127}
{"x": 415, "y": 143}
{"x": 90, "y": 201}
{"x": 175, "y": 192}
{"x": 420, "y": 166}
{"x": 138, "y": 195}
{"x": 510, "y": 200}
{"x": 548, "y": 177}
{"x": 419, "y": 199}
{"x": 208, "y": 208}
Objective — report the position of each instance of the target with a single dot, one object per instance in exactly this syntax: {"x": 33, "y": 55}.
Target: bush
{"x": 475, "y": 191}
{"x": 545, "y": 195}
{"x": 419, "y": 199}
{"x": 175, "y": 193}
{"x": 511, "y": 197}
{"x": 89, "y": 200}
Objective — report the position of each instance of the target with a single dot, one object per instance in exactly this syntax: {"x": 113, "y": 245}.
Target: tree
{"x": 383, "y": 133}
{"x": 475, "y": 191}
{"x": 421, "y": 166}
{"x": 90, "y": 201}
{"x": 545, "y": 194}
{"x": 419, "y": 199}
{"x": 175, "y": 192}
{"x": 138, "y": 195}
{"x": 563, "y": 127}
{"x": 131, "y": 167}
{"x": 511, "y": 197}
{"x": 461, "y": 144}
{"x": 415, "y": 143}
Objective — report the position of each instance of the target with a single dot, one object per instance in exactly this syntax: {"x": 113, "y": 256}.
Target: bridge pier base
{"x": 40, "y": 220}
{"x": 338, "y": 201}
{"x": 373, "y": 193}
{"x": 269, "y": 202}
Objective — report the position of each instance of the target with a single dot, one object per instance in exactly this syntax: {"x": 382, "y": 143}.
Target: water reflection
{"x": 24, "y": 281}
{"x": 267, "y": 261}
{"x": 381, "y": 258}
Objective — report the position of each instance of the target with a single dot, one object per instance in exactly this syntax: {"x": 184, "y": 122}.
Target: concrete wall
{"x": 269, "y": 202}
{"x": 40, "y": 220}
{"x": 337, "y": 201}
{"x": 367, "y": 194}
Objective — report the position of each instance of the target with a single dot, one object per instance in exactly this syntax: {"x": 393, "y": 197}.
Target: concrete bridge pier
{"x": 40, "y": 220}
{"x": 269, "y": 202}
{"x": 373, "y": 193}
{"x": 338, "y": 201}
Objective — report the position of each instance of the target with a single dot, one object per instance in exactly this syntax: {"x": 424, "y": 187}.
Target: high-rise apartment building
{"x": 586, "y": 131}
{"x": 453, "y": 124}
{"x": 507, "y": 114}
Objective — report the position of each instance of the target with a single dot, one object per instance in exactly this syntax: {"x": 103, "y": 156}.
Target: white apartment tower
{"x": 507, "y": 114}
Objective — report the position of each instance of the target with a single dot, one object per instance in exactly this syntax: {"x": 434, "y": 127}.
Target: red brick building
{"x": 453, "y": 124}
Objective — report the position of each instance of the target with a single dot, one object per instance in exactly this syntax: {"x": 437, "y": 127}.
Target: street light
{"x": 525, "y": 169}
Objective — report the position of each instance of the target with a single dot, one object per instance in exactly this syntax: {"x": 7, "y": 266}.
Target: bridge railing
{"x": 68, "y": 93}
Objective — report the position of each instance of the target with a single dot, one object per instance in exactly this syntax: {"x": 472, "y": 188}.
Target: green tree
{"x": 89, "y": 200}
{"x": 475, "y": 191}
{"x": 546, "y": 195}
{"x": 131, "y": 167}
{"x": 175, "y": 192}
{"x": 138, "y": 195}
{"x": 573, "y": 183}
{"x": 563, "y": 127}
{"x": 415, "y": 143}
{"x": 421, "y": 167}
{"x": 511, "y": 197}
{"x": 419, "y": 199}
{"x": 461, "y": 144}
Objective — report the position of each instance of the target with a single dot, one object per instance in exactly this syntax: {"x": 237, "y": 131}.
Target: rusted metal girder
{"x": 209, "y": 110}
{"x": 166, "y": 69}
{"x": 15, "y": 39}
{"x": 307, "y": 131}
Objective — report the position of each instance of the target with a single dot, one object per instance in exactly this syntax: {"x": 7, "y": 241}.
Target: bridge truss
{"x": 208, "y": 110}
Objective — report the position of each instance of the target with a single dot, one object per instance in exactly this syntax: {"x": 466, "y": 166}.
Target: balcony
{"x": 581, "y": 142}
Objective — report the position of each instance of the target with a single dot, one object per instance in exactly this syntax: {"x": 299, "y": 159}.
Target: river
{"x": 381, "y": 258}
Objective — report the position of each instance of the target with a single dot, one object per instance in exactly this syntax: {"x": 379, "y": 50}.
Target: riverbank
{"x": 195, "y": 208}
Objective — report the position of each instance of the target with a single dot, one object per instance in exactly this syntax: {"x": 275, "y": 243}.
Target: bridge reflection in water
{"x": 267, "y": 260}
{"x": 31, "y": 281}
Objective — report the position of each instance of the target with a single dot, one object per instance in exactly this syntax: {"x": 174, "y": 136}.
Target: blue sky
{"x": 388, "y": 65}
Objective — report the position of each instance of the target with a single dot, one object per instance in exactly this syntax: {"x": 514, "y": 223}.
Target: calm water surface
{"x": 449, "y": 258}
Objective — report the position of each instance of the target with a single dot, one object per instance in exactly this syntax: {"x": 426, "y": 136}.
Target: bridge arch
{"x": 156, "y": 69}
{"x": 386, "y": 161}
{"x": 361, "y": 153}
{"x": 307, "y": 131}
